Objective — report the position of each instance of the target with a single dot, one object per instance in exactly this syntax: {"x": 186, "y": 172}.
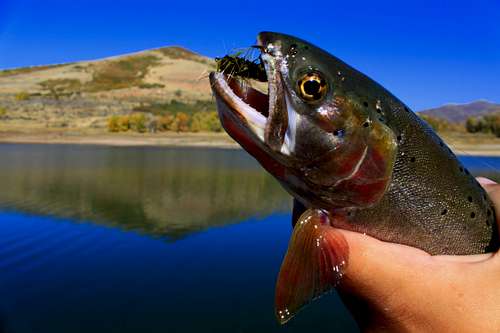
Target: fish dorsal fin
{"x": 313, "y": 265}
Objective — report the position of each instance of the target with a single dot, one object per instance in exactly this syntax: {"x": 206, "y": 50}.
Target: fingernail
{"x": 485, "y": 181}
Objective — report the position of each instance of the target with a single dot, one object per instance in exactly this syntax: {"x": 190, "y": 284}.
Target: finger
{"x": 374, "y": 263}
{"x": 485, "y": 181}
{"x": 494, "y": 195}
{"x": 464, "y": 259}
{"x": 488, "y": 184}
{"x": 376, "y": 267}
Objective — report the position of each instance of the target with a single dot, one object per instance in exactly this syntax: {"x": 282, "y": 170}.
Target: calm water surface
{"x": 97, "y": 239}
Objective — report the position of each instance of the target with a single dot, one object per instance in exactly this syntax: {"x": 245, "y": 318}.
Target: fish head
{"x": 312, "y": 130}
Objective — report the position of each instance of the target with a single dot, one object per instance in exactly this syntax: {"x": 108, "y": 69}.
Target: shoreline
{"x": 201, "y": 140}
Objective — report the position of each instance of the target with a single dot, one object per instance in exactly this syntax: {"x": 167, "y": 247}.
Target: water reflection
{"x": 163, "y": 192}
{"x": 68, "y": 264}
{"x": 57, "y": 276}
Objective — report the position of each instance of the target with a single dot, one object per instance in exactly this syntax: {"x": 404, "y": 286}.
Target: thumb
{"x": 376, "y": 267}
{"x": 379, "y": 278}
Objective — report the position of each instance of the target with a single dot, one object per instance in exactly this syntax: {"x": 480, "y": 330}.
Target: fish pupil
{"x": 311, "y": 87}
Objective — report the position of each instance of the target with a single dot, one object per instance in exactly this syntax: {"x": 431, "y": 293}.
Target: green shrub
{"x": 59, "y": 87}
{"x": 477, "y": 125}
{"x": 486, "y": 124}
{"x": 122, "y": 73}
{"x": 437, "y": 124}
{"x": 165, "y": 122}
{"x": 124, "y": 123}
{"x": 151, "y": 85}
{"x": 119, "y": 123}
{"x": 205, "y": 122}
{"x": 22, "y": 96}
{"x": 113, "y": 124}
{"x": 175, "y": 52}
{"x": 26, "y": 70}
{"x": 174, "y": 107}
{"x": 495, "y": 124}
{"x": 137, "y": 122}
{"x": 181, "y": 122}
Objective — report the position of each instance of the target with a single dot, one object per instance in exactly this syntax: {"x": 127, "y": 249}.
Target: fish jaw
{"x": 241, "y": 120}
{"x": 253, "y": 123}
{"x": 258, "y": 121}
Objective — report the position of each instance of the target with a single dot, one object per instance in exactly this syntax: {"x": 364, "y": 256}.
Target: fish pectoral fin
{"x": 313, "y": 265}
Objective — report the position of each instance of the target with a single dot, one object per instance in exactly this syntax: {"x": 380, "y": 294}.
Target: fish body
{"x": 354, "y": 157}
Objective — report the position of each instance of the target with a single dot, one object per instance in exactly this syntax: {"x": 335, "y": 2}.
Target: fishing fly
{"x": 236, "y": 65}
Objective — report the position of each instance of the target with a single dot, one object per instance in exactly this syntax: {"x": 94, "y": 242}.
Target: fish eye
{"x": 312, "y": 87}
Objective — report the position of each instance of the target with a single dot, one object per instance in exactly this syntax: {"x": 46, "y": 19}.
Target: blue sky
{"x": 426, "y": 52}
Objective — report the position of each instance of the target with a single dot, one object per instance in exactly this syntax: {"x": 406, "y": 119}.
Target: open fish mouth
{"x": 243, "y": 103}
{"x": 255, "y": 119}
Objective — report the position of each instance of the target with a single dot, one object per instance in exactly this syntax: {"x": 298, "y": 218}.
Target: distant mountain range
{"x": 458, "y": 113}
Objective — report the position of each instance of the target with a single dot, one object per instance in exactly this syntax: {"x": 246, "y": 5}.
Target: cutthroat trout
{"x": 354, "y": 157}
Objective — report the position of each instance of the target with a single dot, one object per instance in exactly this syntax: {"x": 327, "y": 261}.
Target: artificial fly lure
{"x": 237, "y": 66}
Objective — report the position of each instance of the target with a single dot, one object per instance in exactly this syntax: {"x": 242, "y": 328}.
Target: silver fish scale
{"x": 428, "y": 203}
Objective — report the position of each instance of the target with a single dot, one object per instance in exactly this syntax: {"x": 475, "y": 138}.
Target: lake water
{"x": 100, "y": 239}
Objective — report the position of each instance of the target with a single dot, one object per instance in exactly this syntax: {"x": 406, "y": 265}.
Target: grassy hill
{"x": 164, "y": 89}
{"x": 458, "y": 113}
{"x": 86, "y": 94}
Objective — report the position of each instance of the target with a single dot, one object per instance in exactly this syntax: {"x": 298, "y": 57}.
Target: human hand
{"x": 395, "y": 288}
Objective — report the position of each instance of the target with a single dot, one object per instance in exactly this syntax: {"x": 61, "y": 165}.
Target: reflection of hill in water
{"x": 164, "y": 192}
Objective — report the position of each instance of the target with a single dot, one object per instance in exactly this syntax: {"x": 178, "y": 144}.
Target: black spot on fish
{"x": 399, "y": 137}
{"x": 381, "y": 119}
{"x": 349, "y": 213}
{"x": 338, "y": 132}
{"x": 379, "y": 111}
{"x": 293, "y": 49}
{"x": 472, "y": 215}
{"x": 461, "y": 169}
{"x": 441, "y": 143}
{"x": 444, "y": 211}
{"x": 366, "y": 124}
{"x": 412, "y": 159}
{"x": 489, "y": 212}
{"x": 406, "y": 109}
{"x": 469, "y": 198}
{"x": 365, "y": 104}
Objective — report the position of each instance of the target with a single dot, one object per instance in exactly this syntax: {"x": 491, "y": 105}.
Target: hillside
{"x": 164, "y": 89}
{"x": 458, "y": 113}
{"x": 85, "y": 94}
